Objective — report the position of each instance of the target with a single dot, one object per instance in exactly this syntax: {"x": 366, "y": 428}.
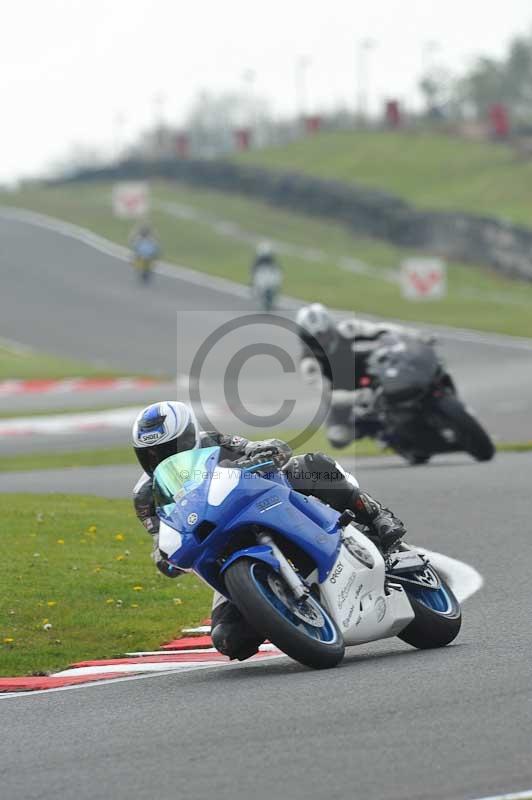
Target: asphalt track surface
{"x": 65, "y": 297}
{"x": 391, "y": 723}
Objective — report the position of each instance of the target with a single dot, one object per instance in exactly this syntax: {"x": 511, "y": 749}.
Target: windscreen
{"x": 180, "y": 474}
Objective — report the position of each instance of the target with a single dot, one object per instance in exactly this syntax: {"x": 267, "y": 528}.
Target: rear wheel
{"x": 438, "y": 617}
{"x": 302, "y": 629}
{"x": 471, "y": 435}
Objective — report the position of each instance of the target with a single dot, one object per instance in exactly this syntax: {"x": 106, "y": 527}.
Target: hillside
{"x": 214, "y": 232}
{"x": 430, "y": 171}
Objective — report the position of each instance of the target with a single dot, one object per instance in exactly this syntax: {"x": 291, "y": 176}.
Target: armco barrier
{"x": 459, "y": 236}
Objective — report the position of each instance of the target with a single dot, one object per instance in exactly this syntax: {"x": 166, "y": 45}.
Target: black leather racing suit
{"x": 311, "y": 474}
{"x": 342, "y": 361}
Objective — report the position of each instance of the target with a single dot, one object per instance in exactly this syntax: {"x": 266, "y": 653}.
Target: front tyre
{"x": 471, "y": 435}
{"x": 301, "y": 629}
{"x": 438, "y": 617}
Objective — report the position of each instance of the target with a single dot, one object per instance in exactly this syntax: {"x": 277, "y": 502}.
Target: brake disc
{"x": 305, "y": 610}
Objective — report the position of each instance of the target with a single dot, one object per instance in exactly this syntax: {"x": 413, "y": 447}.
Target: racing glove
{"x": 281, "y": 451}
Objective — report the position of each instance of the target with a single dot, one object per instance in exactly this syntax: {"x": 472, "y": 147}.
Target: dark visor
{"x": 150, "y": 457}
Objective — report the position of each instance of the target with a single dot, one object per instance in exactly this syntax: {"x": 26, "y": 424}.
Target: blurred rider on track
{"x": 266, "y": 276}
{"x": 145, "y": 248}
{"x": 337, "y": 353}
{"x": 166, "y": 428}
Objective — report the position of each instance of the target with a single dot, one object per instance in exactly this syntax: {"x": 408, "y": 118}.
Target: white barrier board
{"x": 423, "y": 279}
{"x": 131, "y": 200}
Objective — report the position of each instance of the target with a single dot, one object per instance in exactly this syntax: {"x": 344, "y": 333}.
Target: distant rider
{"x": 338, "y": 352}
{"x": 146, "y": 249}
{"x": 166, "y": 428}
{"x": 265, "y": 258}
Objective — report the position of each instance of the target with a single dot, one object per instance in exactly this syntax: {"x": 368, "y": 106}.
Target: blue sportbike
{"x": 304, "y": 576}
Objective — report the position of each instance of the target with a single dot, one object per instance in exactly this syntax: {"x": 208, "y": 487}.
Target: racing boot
{"x": 384, "y": 529}
{"x": 231, "y": 635}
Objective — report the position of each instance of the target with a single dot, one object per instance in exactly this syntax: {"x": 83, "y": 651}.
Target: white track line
{"x": 526, "y": 795}
{"x": 138, "y": 677}
{"x": 66, "y": 424}
{"x": 108, "y": 669}
{"x": 180, "y": 272}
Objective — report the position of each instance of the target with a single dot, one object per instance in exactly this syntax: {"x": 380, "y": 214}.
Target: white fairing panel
{"x": 223, "y": 481}
{"x": 354, "y": 593}
{"x": 169, "y": 539}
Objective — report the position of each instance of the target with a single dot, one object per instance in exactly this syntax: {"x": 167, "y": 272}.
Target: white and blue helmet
{"x": 316, "y": 322}
{"x": 162, "y": 430}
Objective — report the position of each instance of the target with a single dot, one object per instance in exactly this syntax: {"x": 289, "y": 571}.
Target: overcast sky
{"x": 71, "y": 68}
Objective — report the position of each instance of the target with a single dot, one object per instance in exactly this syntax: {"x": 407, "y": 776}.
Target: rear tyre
{"x": 471, "y": 435}
{"x": 303, "y": 630}
{"x": 438, "y": 617}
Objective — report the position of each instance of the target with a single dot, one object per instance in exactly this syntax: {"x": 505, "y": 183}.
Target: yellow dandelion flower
{"x": 60, "y": 541}
{"x": 119, "y": 558}
{"x": 109, "y": 601}
{"x": 8, "y": 640}
{"x": 51, "y": 603}
{"x": 45, "y": 621}
{"x": 134, "y": 605}
{"x": 177, "y": 601}
{"x": 138, "y": 588}
{"x": 97, "y": 569}
{"x": 120, "y": 537}
{"x": 92, "y": 529}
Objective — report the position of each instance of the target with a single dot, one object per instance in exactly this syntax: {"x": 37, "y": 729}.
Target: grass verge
{"x": 124, "y": 455}
{"x": 477, "y": 298}
{"x": 59, "y": 460}
{"x": 20, "y": 363}
{"x": 82, "y": 565}
{"x": 430, "y": 170}
{"x": 365, "y": 448}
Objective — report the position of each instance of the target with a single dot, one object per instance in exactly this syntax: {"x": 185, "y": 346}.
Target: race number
{"x": 423, "y": 279}
{"x": 131, "y": 200}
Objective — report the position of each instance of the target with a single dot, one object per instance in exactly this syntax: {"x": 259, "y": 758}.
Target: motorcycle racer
{"x": 264, "y": 258}
{"x": 166, "y": 428}
{"x": 338, "y": 352}
{"x": 266, "y": 276}
{"x": 145, "y": 249}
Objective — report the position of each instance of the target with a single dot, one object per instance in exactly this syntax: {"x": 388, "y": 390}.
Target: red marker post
{"x": 182, "y": 144}
{"x": 499, "y": 121}
{"x": 242, "y": 139}
{"x": 313, "y": 123}
{"x": 392, "y": 114}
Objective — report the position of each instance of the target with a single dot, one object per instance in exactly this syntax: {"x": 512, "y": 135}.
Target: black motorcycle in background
{"x": 416, "y": 403}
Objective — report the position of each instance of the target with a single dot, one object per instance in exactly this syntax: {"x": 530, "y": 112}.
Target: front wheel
{"x": 471, "y": 435}
{"x": 438, "y": 617}
{"x": 302, "y": 629}
{"x": 268, "y": 300}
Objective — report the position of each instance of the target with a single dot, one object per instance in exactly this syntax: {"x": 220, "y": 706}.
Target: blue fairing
{"x": 261, "y": 552}
{"x": 208, "y": 505}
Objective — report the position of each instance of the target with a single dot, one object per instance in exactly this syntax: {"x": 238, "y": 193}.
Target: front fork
{"x": 298, "y": 587}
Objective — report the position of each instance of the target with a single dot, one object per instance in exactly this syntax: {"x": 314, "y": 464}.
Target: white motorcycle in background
{"x": 267, "y": 285}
